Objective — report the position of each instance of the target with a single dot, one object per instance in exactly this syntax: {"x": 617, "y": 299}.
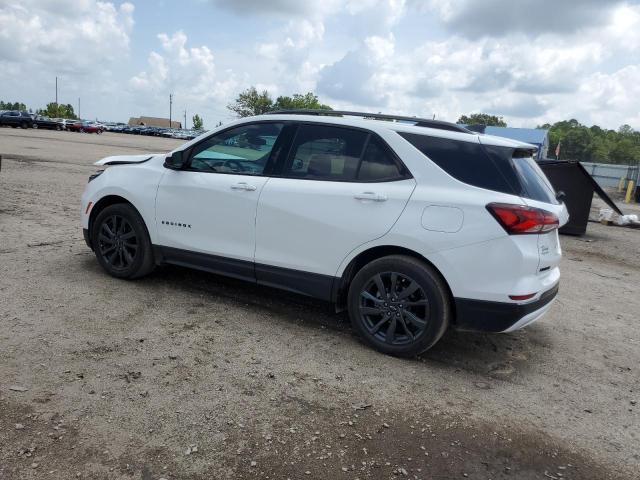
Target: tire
{"x": 35, "y": 125}
{"x": 121, "y": 242}
{"x": 58, "y": 127}
{"x": 23, "y": 125}
{"x": 403, "y": 321}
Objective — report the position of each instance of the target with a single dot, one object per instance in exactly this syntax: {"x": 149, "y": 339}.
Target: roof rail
{"x": 418, "y": 122}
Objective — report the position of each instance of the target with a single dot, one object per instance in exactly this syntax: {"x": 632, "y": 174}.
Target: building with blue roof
{"x": 535, "y": 136}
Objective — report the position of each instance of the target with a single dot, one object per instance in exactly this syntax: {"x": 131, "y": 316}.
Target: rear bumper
{"x": 482, "y": 316}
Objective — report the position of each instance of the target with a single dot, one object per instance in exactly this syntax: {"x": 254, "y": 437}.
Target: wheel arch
{"x": 341, "y": 285}
{"x": 107, "y": 201}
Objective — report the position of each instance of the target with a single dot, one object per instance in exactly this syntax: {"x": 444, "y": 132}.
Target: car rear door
{"x": 337, "y": 189}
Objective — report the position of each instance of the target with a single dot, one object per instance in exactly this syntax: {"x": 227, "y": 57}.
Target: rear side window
{"x": 330, "y": 153}
{"x": 326, "y": 153}
{"x": 467, "y": 162}
{"x": 377, "y": 163}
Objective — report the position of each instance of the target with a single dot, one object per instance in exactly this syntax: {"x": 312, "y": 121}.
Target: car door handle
{"x": 376, "y": 197}
{"x": 243, "y": 186}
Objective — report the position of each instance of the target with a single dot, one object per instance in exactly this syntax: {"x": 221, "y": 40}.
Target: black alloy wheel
{"x": 117, "y": 242}
{"x": 121, "y": 242}
{"x": 399, "y": 305}
{"x": 394, "y": 308}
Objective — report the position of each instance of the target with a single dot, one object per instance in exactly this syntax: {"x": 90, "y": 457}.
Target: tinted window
{"x": 377, "y": 163}
{"x": 534, "y": 182}
{"x": 243, "y": 150}
{"x": 326, "y": 153}
{"x": 467, "y": 162}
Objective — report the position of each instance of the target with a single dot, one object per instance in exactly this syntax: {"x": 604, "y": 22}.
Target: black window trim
{"x": 285, "y": 164}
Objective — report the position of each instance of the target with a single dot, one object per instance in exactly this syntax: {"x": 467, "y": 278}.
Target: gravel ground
{"x": 189, "y": 375}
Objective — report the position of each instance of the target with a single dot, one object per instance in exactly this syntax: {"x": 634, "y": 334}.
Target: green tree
{"x": 482, "y": 119}
{"x": 12, "y": 106}
{"x": 198, "y": 124}
{"x": 251, "y": 102}
{"x": 594, "y": 144}
{"x": 298, "y": 101}
{"x": 56, "y": 110}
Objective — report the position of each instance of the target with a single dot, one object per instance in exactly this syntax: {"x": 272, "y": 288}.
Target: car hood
{"x": 124, "y": 159}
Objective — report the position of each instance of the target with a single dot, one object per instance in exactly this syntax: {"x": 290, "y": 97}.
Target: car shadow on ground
{"x": 495, "y": 356}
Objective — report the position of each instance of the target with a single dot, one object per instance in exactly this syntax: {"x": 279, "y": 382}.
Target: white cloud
{"x": 415, "y": 57}
{"x": 189, "y": 73}
{"x": 74, "y": 38}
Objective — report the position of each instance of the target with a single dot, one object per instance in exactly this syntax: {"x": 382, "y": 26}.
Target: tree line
{"x": 577, "y": 141}
{"x": 53, "y": 109}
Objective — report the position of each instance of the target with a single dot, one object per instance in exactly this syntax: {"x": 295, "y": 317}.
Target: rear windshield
{"x": 535, "y": 183}
{"x": 486, "y": 166}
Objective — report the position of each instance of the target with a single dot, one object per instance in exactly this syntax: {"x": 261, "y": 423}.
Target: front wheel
{"x": 121, "y": 242}
{"x": 399, "y": 305}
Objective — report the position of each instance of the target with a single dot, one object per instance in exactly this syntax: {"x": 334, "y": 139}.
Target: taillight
{"x": 520, "y": 219}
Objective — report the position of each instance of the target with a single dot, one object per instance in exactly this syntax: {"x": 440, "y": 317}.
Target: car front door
{"x": 338, "y": 189}
{"x": 205, "y": 213}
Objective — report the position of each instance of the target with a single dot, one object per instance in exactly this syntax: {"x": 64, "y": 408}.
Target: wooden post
{"x": 621, "y": 184}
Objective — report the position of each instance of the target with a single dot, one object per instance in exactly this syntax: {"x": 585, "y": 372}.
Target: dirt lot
{"x": 189, "y": 375}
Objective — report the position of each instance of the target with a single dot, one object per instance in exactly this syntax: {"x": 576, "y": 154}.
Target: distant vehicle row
{"x": 15, "y": 119}
{"x": 154, "y": 131}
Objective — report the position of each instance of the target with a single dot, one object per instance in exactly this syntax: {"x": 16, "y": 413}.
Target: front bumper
{"x": 87, "y": 238}
{"x": 483, "y": 316}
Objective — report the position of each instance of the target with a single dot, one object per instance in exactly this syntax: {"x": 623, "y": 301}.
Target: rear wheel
{"x": 121, "y": 242}
{"x": 23, "y": 125}
{"x": 399, "y": 305}
{"x": 35, "y": 125}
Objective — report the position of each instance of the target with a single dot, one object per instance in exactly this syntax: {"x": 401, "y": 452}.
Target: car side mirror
{"x": 175, "y": 161}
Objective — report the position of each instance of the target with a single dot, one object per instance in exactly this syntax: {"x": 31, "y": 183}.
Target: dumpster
{"x": 578, "y": 186}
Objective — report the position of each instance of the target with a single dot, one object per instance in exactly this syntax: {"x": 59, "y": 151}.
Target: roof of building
{"x": 535, "y": 136}
{"x": 154, "y": 122}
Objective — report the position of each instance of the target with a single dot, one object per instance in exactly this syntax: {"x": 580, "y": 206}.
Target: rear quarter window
{"x": 467, "y": 162}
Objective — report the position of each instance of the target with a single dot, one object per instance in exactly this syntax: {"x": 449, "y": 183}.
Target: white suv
{"x": 413, "y": 225}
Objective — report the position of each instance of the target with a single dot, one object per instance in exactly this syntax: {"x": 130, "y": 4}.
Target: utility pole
{"x": 185, "y": 119}
{"x": 79, "y": 116}
{"x": 170, "y": 103}
{"x": 57, "y": 109}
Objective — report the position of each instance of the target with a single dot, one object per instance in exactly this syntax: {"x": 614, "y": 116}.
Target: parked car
{"x": 47, "y": 123}
{"x": 414, "y": 226}
{"x": 86, "y": 127}
{"x": 15, "y": 118}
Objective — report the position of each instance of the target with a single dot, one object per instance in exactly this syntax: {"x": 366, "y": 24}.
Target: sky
{"x": 530, "y": 61}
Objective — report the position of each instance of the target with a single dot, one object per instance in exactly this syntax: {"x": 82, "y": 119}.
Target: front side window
{"x": 244, "y": 150}
{"x": 322, "y": 152}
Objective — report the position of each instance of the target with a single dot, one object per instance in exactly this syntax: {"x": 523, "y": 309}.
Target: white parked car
{"x": 414, "y": 226}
